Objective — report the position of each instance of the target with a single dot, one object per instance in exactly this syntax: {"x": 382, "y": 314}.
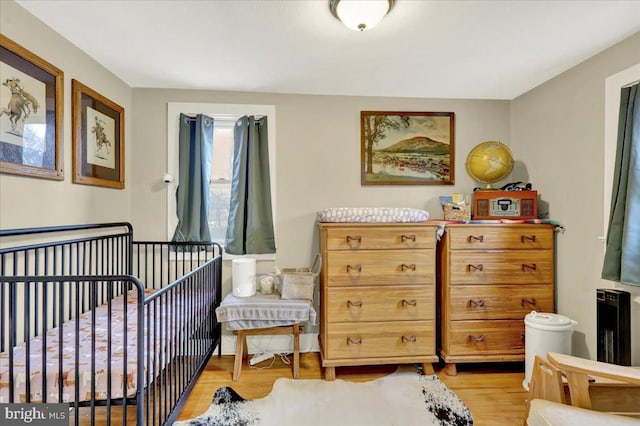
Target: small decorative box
{"x": 452, "y": 212}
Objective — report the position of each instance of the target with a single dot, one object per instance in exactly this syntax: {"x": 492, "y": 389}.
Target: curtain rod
{"x": 631, "y": 84}
{"x": 224, "y": 119}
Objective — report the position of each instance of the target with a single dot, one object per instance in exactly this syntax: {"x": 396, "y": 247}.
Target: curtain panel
{"x": 250, "y": 227}
{"x": 195, "y": 144}
{"x": 622, "y": 256}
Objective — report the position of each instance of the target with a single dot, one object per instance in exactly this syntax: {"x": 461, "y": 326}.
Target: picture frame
{"x": 98, "y": 138}
{"x": 407, "y": 148}
{"x": 31, "y": 111}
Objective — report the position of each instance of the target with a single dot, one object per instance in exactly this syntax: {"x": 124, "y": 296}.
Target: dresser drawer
{"x": 377, "y": 267}
{"x": 486, "y": 337}
{"x": 380, "y": 238}
{"x": 380, "y": 339}
{"x": 399, "y": 303}
{"x": 509, "y": 267}
{"x": 518, "y": 237}
{"x": 498, "y": 302}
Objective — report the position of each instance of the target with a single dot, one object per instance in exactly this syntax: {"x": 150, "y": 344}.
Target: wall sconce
{"x": 360, "y": 15}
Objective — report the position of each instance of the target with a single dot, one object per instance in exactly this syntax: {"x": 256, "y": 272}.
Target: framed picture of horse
{"x": 98, "y": 138}
{"x": 31, "y": 105}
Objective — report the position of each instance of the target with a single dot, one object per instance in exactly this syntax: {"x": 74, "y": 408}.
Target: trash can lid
{"x": 546, "y": 320}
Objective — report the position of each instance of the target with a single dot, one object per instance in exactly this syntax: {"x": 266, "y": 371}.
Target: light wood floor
{"x": 493, "y": 392}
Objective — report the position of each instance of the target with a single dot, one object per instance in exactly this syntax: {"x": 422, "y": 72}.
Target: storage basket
{"x": 457, "y": 212}
{"x": 299, "y": 283}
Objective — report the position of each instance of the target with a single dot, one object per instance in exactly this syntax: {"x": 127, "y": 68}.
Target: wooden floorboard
{"x": 493, "y": 392}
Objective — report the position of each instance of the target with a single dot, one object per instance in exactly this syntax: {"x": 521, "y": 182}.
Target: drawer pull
{"x": 354, "y": 268}
{"x": 408, "y": 237}
{"x": 531, "y": 267}
{"x": 411, "y": 339}
{"x": 479, "y": 338}
{"x": 357, "y": 239}
{"x": 475, "y": 267}
{"x": 524, "y": 238}
{"x": 357, "y": 303}
{"x": 356, "y": 341}
{"x": 405, "y": 267}
{"x": 472, "y": 238}
{"x": 476, "y": 303}
{"x": 406, "y": 302}
{"x": 526, "y": 301}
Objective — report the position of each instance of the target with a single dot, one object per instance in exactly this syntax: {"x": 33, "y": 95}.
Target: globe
{"x": 489, "y": 162}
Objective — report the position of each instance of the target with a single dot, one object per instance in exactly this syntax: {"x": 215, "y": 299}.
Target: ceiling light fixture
{"x": 360, "y": 15}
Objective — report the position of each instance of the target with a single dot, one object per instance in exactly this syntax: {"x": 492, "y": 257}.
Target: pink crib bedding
{"x": 158, "y": 356}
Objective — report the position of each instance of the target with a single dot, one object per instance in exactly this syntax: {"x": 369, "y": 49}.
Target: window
{"x": 220, "y": 184}
{"x": 225, "y": 116}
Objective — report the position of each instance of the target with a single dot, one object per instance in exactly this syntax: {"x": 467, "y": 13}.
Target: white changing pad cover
{"x": 372, "y": 214}
{"x": 263, "y": 311}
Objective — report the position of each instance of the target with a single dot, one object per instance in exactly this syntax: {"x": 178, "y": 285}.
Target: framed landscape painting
{"x": 31, "y": 103}
{"x": 407, "y": 148}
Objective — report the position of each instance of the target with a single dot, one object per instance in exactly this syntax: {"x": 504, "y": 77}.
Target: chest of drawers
{"x": 490, "y": 277}
{"x": 377, "y": 295}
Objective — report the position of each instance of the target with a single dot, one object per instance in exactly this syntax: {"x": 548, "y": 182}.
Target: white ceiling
{"x": 435, "y": 49}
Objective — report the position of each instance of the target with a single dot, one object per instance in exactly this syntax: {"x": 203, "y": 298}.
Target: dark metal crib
{"x": 117, "y": 329}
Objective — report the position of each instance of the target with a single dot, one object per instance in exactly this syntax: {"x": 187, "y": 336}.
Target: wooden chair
{"x": 599, "y": 385}
{"x": 586, "y": 384}
{"x": 546, "y": 383}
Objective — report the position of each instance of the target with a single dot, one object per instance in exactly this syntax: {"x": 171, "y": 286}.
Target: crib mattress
{"x": 48, "y": 365}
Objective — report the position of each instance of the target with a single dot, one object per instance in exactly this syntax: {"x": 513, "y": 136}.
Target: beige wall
{"x": 558, "y": 130}
{"x": 26, "y": 202}
{"x": 317, "y": 157}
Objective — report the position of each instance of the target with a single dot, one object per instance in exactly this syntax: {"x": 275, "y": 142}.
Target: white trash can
{"x": 545, "y": 333}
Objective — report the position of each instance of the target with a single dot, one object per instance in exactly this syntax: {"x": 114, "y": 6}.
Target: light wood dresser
{"x": 377, "y": 295}
{"x": 490, "y": 277}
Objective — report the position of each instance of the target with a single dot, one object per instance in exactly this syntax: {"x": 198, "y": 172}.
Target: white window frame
{"x": 174, "y": 109}
{"x": 613, "y": 85}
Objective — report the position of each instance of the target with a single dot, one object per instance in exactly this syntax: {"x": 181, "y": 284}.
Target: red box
{"x": 495, "y": 204}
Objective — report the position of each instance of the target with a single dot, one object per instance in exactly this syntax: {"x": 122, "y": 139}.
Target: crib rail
{"x": 184, "y": 313}
{"x": 78, "y": 250}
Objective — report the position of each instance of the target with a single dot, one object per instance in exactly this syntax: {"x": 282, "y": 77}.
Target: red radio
{"x": 493, "y": 204}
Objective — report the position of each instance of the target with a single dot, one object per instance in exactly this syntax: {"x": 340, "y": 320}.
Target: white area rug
{"x": 402, "y": 399}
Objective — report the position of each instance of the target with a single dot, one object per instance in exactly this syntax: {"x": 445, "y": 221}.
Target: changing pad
{"x": 372, "y": 214}
{"x": 263, "y": 311}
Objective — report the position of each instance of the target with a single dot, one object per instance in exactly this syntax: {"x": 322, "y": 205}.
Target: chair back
{"x": 545, "y": 383}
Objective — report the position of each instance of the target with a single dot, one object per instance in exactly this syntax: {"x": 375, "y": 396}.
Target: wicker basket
{"x": 457, "y": 213}
{"x": 298, "y": 283}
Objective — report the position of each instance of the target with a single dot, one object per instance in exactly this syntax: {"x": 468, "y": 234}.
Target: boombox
{"x": 493, "y": 204}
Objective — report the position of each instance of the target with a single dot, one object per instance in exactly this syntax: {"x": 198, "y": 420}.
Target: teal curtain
{"x": 622, "y": 257}
{"x": 195, "y": 142}
{"x": 250, "y": 227}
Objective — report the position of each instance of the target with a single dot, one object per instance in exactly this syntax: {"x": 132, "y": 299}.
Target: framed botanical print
{"x": 31, "y": 103}
{"x": 98, "y": 138}
{"x": 407, "y": 148}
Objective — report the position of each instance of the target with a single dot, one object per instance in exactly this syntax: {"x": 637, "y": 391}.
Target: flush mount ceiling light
{"x": 360, "y": 15}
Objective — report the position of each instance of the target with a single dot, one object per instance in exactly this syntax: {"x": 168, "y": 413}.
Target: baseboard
{"x": 279, "y": 344}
